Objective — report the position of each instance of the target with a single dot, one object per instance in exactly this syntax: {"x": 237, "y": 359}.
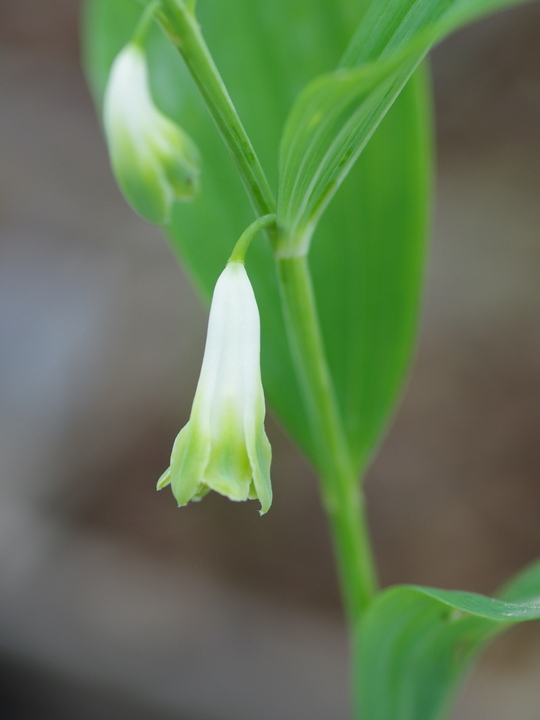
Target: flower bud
{"x": 155, "y": 162}
{"x": 224, "y": 446}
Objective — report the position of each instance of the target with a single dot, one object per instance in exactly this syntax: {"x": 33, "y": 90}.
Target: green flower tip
{"x": 224, "y": 445}
{"x": 155, "y": 162}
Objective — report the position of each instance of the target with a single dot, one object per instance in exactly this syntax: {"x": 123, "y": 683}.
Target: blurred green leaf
{"x": 416, "y": 643}
{"x": 368, "y": 254}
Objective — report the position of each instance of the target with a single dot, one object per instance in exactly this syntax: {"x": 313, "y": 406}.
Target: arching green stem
{"x": 148, "y": 14}
{"x": 240, "y": 249}
{"x": 185, "y": 33}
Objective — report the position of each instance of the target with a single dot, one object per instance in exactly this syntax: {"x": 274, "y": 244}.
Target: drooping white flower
{"x": 224, "y": 445}
{"x": 155, "y": 162}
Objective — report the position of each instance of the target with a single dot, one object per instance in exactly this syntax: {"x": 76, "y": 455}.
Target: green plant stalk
{"x": 185, "y": 33}
{"x": 147, "y": 16}
{"x": 242, "y": 246}
{"x": 341, "y": 493}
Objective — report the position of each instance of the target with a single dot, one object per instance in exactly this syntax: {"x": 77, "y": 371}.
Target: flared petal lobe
{"x": 154, "y": 161}
{"x": 224, "y": 445}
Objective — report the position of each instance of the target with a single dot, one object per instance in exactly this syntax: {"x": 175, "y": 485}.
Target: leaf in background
{"x": 372, "y": 235}
{"x": 416, "y": 643}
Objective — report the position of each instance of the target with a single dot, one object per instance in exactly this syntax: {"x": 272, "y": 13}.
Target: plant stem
{"x": 242, "y": 246}
{"x": 187, "y": 36}
{"x": 148, "y": 14}
{"x": 340, "y": 487}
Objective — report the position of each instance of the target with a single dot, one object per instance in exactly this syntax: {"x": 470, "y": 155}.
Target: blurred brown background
{"x": 114, "y": 604}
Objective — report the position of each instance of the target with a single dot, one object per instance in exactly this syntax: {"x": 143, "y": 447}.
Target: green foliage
{"x": 416, "y": 643}
{"x": 368, "y": 253}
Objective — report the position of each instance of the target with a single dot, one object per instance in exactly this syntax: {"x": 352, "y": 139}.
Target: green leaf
{"x": 372, "y": 236}
{"x": 367, "y": 262}
{"x": 415, "y": 644}
{"x": 337, "y": 113}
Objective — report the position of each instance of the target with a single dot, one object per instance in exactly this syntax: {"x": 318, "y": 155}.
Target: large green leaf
{"x": 368, "y": 255}
{"x": 337, "y": 113}
{"x": 416, "y": 643}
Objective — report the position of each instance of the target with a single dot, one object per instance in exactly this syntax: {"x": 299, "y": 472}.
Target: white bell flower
{"x": 155, "y": 162}
{"x": 224, "y": 445}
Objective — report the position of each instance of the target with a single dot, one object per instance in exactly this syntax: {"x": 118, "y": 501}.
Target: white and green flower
{"x": 155, "y": 162}
{"x": 224, "y": 445}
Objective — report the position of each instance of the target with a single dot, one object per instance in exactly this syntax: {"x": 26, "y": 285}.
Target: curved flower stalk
{"x": 155, "y": 162}
{"x": 224, "y": 445}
